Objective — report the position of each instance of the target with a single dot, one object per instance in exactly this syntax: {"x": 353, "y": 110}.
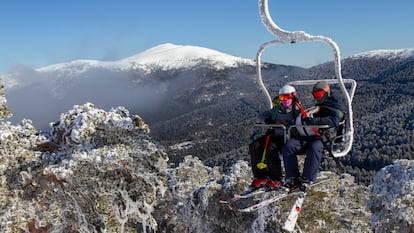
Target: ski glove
{"x": 308, "y": 120}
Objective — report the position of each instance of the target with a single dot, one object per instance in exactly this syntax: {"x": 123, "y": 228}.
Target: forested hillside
{"x": 384, "y": 113}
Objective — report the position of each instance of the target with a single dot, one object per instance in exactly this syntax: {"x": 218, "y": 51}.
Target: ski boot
{"x": 273, "y": 184}
{"x": 258, "y": 183}
{"x": 292, "y": 184}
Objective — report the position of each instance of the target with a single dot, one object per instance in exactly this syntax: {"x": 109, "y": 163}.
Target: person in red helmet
{"x": 328, "y": 112}
{"x": 264, "y": 150}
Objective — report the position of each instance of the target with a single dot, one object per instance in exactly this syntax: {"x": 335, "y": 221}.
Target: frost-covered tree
{"x": 4, "y": 111}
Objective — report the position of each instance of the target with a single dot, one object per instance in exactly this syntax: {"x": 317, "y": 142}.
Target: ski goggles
{"x": 319, "y": 94}
{"x": 284, "y": 97}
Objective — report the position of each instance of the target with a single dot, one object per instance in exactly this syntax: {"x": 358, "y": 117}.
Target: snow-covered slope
{"x": 386, "y": 53}
{"x": 164, "y": 57}
{"x": 170, "y": 56}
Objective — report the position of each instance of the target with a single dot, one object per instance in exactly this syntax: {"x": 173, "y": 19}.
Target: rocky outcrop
{"x": 337, "y": 205}
{"x": 392, "y": 198}
{"x": 98, "y": 171}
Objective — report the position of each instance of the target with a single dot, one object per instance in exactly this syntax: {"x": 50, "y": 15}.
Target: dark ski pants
{"x": 314, "y": 153}
{"x": 272, "y": 159}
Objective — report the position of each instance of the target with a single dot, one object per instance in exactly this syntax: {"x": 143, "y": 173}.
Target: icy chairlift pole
{"x": 284, "y": 37}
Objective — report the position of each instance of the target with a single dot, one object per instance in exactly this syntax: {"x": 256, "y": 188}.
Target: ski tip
{"x": 244, "y": 210}
{"x": 283, "y": 189}
{"x": 223, "y": 202}
{"x": 287, "y": 230}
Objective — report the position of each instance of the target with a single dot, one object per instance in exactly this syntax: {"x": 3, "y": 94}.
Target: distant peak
{"x": 176, "y": 56}
{"x": 162, "y": 48}
{"x": 166, "y": 46}
{"x": 164, "y": 56}
{"x": 387, "y": 53}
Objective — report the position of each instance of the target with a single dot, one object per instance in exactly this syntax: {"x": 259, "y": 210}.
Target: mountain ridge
{"x": 187, "y": 56}
{"x": 159, "y": 57}
{"x": 386, "y": 53}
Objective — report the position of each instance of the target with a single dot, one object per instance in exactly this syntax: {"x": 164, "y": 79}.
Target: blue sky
{"x": 45, "y": 32}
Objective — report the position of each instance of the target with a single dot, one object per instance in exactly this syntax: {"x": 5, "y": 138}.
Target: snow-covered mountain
{"x": 162, "y": 57}
{"x": 171, "y": 57}
{"x": 142, "y": 83}
{"x": 390, "y": 54}
{"x": 169, "y": 78}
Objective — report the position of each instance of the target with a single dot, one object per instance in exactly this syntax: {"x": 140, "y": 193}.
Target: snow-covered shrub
{"x": 103, "y": 173}
{"x": 392, "y": 198}
{"x": 4, "y": 111}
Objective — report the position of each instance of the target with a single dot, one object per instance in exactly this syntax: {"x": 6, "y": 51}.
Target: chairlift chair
{"x": 342, "y": 143}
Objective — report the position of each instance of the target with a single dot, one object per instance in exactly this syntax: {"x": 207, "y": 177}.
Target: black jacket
{"x": 330, "y": 113}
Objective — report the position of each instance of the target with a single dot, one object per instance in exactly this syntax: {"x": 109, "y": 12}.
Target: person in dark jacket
{"x": 327, "y": 112}
{"x": 264, "y": 150}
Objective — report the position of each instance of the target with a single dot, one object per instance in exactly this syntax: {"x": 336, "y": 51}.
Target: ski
{"x": 282, "y": 195}
{"x": 265, "y": 202}
{"x": 245, "y": 195}
{"x": 294, "y": 213}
